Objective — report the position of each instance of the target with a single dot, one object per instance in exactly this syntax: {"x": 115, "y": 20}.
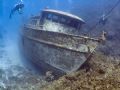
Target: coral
{"x": 103, "y": 74}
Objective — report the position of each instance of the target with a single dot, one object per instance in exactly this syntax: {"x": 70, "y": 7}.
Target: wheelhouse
{"x": 57, "y": 21}
{"x": 62, "y": 18}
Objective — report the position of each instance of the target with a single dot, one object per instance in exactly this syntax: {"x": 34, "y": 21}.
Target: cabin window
{"x": 44, "y": 16}
{"x": 69, "y": 22}
{"x": 63, "y": 20}
{"x": 49, "y": 16}
{"x": 75, "y": 24}
{"x": 52, "y": 17}
{"x": 79, "y": 26}
{"x": 55, "y": 18}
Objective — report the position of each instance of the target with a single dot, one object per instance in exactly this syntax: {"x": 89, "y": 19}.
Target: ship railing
{"x": 34, "y": 26}
{"x": 101, "y": 38}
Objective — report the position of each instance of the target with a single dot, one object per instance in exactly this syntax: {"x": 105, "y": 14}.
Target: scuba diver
{"x": 18, "y": 7}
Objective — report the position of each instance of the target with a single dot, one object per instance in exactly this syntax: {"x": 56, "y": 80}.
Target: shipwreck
{"x": 51, "y": 41}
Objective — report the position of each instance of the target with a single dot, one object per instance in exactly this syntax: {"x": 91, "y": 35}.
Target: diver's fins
{"x": 11, "y": 13}
{"x": 10, "y": 16}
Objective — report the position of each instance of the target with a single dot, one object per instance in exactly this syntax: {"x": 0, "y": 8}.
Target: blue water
{"x": 89, "y": 10}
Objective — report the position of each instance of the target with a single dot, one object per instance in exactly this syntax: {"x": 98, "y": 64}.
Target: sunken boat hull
{"x": 51, "y": 43}
{"x": 55, "y": 51}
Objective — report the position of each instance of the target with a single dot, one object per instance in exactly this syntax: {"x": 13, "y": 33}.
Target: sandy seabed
{"x": 14, "y": 75}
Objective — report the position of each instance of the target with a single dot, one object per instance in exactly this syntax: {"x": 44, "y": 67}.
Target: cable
{"x": 106, "y": 15}
{"x": 117, "y": 3}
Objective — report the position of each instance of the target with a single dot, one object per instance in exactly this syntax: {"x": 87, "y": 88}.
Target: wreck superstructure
{"x": 50, "y": 41}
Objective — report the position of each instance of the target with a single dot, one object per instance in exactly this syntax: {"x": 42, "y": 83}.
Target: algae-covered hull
{"x": 56, "y": 51}
{"x": 50, "y": 40}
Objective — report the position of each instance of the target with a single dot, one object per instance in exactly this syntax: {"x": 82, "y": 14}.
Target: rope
{"x": 117, "y": 3}
{"x": 106, "y": 15}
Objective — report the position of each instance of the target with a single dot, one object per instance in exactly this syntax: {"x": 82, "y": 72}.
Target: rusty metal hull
{"x": 53, "y": 51}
